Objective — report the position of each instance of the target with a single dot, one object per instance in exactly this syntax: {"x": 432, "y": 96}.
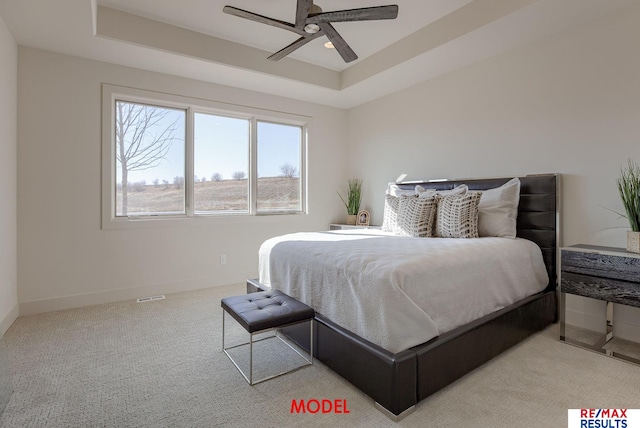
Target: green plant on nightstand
{"x": 629, "y": 188}
{"x": 352, "y": 199}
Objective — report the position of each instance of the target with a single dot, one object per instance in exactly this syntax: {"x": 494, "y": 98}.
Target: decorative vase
{"x": 351, "y": 219}
{"x": 633, "y": 241}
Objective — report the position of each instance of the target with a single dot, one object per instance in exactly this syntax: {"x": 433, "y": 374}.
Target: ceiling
{"x": 195, "y": 39}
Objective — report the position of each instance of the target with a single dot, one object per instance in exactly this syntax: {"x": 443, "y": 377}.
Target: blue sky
{"x": 222, "y": 146}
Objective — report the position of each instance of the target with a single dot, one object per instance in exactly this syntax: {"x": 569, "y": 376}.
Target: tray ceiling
{"x": 195, "y": 39}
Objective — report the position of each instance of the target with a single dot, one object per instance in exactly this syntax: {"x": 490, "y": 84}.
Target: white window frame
{"x": 113, "y": 93}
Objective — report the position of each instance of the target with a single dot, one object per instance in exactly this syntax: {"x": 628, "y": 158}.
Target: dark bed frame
{"x": 397, "y": 382}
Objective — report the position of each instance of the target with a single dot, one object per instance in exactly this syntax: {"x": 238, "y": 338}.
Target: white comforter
{"x": 398, "y": 292}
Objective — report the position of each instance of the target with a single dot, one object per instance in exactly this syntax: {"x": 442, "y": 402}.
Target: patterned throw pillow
{"x": 390, "y": 217}
{"x": 457, "y": 216}
{"x": 416, "y": 215}
{"x": 409, "y": 216}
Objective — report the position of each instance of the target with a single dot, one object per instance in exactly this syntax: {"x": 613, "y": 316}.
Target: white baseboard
{"x": 6, "y": 322}
{"x": 80, "y": 300}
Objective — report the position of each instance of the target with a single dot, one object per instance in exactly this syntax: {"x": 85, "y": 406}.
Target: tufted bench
{"x": 261, "y": 312}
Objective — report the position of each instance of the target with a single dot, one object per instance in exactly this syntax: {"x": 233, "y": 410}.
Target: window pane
{"x": 221, "y": 163}
{"x": 279, "y": 154}
{"x": 150, "y": 159}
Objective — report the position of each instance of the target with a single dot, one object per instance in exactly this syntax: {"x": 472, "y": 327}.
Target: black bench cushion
{"x": 266, "y": 309}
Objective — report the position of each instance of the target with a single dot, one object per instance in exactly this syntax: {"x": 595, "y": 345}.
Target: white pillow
{"x": 498, "y": 210}
{"x": 395, "y": 190}
{"x": 426, "y": 193}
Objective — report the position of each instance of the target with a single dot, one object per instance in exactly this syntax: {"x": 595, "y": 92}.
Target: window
{"x": 166, "y": 156}
{"x": 221, "y": 163}
{"x": 150, "y": 171}
{"x": 278, "y": 167}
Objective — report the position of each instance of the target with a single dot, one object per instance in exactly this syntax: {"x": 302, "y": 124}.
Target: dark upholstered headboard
{"x": 538, "y": 210}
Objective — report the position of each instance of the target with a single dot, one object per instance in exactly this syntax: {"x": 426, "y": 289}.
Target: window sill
{"x": 151, "y": 222}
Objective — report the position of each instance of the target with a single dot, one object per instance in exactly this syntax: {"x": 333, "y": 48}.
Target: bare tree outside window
{"x": 216, "y": 177}
{"x": 288, "y": 170}
{"x": 239, "y": 175}
{"x": 143, "y": 137}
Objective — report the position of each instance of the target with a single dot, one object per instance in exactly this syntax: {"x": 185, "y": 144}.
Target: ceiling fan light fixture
{"x": 329, "y": 45}
{"x": 311, "y": 28}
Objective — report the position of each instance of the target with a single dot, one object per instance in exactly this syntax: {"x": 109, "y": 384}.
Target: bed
{"x": 428, "y": 355}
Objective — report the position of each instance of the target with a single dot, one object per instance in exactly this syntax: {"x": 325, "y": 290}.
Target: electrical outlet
{"x": 223, "y": 259}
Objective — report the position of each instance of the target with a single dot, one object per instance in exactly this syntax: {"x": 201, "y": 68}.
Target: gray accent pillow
{"x": 457, "y": 216}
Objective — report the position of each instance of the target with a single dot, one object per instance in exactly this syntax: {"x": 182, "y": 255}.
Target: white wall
{"x": 8, "y": 179}
{"x": 568, "y": 104}
{"x": 64, "y": 257}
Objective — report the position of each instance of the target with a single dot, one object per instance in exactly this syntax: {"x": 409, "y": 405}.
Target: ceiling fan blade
{"x": 295, "y": 45}
{"x": 302, "y": 11}
{"x": 341, "y": 46}
{"x": 362, "y": 14}
{"x": 262, "y": 19}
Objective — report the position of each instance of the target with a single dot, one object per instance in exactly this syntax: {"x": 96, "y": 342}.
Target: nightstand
{"x": 340, "y": 226}
{"x": 607, "y": 274}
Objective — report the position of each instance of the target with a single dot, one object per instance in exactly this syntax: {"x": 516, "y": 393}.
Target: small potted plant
{"x": 352, "y": 199}
{"x": 629, "y": 188}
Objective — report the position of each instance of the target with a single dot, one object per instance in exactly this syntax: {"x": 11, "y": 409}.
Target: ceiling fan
{"x": 312, "y": 23}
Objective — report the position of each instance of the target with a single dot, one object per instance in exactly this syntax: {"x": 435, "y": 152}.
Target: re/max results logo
{"x": 604, "y": 418}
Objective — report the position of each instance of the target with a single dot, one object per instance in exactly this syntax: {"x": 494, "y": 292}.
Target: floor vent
{"x": 149, "y": 299}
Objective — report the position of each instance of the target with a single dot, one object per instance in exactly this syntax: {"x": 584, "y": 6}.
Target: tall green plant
{"x": 353, "y": 196}
{"x": 629, "y": 188}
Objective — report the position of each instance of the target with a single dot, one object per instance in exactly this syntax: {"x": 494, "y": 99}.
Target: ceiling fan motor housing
{"x": 313, "y": 28}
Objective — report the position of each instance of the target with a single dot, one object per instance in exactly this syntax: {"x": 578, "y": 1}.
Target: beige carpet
{"x": 160, "y": 364}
